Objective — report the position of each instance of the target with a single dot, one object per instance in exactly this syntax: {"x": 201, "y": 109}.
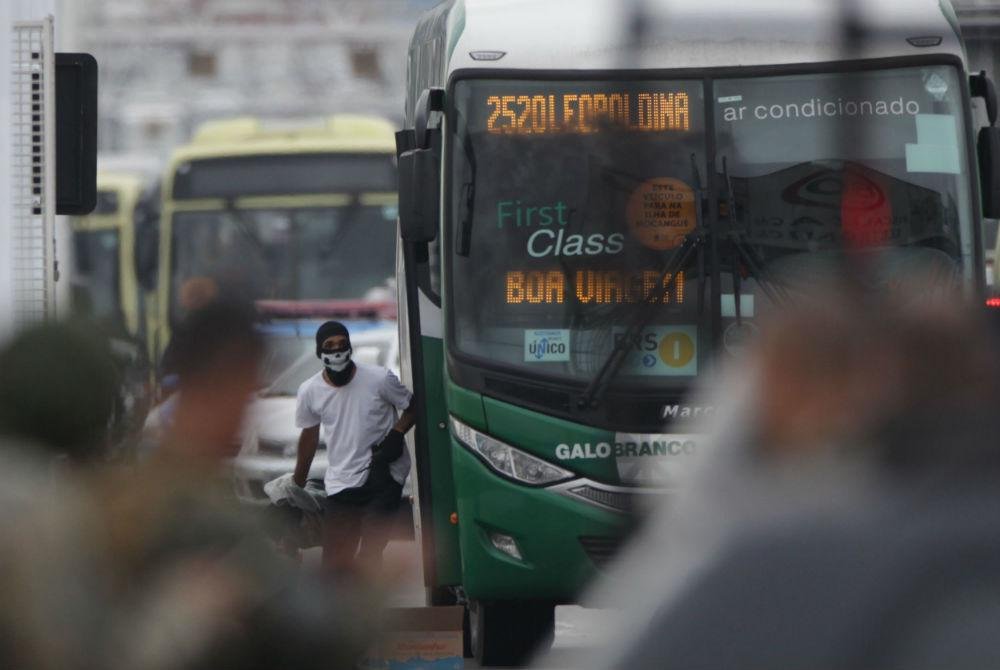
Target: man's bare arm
{"x": 406, "y": 420}
{"x": 308, "y": 441}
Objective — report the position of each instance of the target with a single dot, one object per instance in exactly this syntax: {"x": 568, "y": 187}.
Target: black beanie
{"x": 328, "y": 330}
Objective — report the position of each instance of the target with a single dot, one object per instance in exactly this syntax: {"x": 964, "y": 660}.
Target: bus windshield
{"x": 571, "y": 200}
{"x": 871, "y": 163}
{"x": 285, "y": 254}
{"x": 96, "y": 291}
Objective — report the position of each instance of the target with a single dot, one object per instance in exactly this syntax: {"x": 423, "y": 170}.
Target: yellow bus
{"x": 292, "y": 214}
{"x": 103, "y": 282}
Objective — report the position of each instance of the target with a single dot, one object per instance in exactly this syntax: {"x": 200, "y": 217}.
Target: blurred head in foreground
{"x": 893, "y": 374}
{"x": 198, "y": 584}
{"x": 847, "y": 511}
{"x": 58, "y": 384}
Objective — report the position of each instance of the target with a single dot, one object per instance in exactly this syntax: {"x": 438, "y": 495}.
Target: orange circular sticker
{"x": 660, "y": 212}
{"x": 676, "y": 350}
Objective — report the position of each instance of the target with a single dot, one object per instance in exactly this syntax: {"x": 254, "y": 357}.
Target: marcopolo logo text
{"x": 677, "y": 411}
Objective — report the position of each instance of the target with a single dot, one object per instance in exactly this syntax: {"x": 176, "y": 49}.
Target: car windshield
{"x": 287, "y": 382}
{"x": 569, "y": 200}
{"x": 96, "y": 287}
{"x": 280, "y": 353}
{"x": 286, "y": 254}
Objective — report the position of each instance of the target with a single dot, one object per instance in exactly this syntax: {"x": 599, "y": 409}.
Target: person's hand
{"x": 388, "y": 450}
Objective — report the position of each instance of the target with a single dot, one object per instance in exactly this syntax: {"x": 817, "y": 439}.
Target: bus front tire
{"x": 444, "y": 596}
{"x": 507, "y": 633}
{"x": 440, "y": 596}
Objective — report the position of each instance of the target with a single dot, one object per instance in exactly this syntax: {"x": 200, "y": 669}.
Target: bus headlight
{"x": 507, "y": 460}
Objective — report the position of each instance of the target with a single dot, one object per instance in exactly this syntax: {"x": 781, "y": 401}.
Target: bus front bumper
{"x": 523, "y": 542}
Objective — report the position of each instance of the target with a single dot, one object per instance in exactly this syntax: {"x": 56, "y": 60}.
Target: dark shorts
{"x": 364, "y": 515}
{"x": 379, "y": 493}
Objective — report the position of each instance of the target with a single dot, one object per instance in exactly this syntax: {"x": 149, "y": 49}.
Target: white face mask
{"x": 336, "y": 360}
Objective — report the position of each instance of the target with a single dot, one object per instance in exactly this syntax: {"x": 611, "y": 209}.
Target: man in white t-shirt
{"x": 365, "y": 412}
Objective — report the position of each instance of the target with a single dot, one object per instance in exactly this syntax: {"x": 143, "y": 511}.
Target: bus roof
{"x": 595, "y": 34}
{"x": 131, "y": 182}
{"x": 243, "y": 136}
{"x": 117, "y": 195}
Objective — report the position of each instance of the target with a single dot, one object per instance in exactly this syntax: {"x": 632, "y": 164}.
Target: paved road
{"x": 577, "y": 629}
{"x": 578, "y": 638}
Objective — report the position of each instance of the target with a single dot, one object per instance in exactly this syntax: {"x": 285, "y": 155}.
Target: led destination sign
{"x": 586, "y": 113}
{"x": 592, "y": 287}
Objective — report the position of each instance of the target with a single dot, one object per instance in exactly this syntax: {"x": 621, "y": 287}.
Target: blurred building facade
{"x": 167, "y": 65}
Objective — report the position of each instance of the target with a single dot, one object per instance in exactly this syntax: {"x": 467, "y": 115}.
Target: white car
{"x": 270, "y": 438}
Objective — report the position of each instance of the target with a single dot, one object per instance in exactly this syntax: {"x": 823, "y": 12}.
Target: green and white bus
{"x": 595, "y": 209}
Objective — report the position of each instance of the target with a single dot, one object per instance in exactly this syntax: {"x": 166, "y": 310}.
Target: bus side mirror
{"x": 419, "y": 195}
{"x": 981, "y": 86}
{"x": 147, "y": 256}
{"x": 988, "y": 146}
{"x": 431, "y": 100}
{"x": 420, "y": 170}
{"x": 147, "y": 239}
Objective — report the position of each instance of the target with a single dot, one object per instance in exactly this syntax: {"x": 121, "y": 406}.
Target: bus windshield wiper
{"x": 598, "y": 386}
{"x": 774, "y": 291}
{"x": 346, "y": 220}
{"x": 463, "y": 241}
{"x": 243, "y": 223}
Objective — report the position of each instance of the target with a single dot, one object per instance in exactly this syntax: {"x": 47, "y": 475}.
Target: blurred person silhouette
{"x": 365, "y": 411}
{"x": 58, "y": 386}
{"x": 196, "y": 582}
{"x": 53, "y": 605}
{"x": 194, "y": 294}
{"x": 215, "y": 353}
{"x": 848, "y": 514}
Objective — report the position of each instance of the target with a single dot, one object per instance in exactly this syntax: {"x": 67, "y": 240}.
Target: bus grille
{"x": 600, "y": 550}
{"x": 623, "y": 501}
